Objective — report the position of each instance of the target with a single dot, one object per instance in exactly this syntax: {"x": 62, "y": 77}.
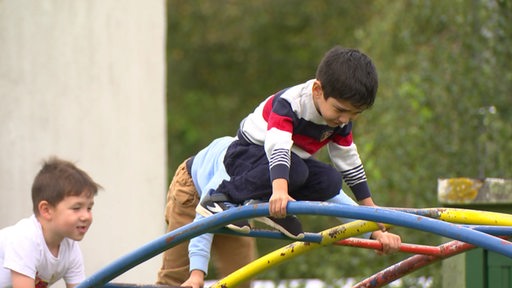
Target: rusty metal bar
{"x": 412, "y": 264}
{"x": 404, "y": 247}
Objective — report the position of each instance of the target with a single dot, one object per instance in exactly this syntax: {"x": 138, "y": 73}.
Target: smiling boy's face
{"x": 72, "y": 217}
{"x": 335, "y": 112}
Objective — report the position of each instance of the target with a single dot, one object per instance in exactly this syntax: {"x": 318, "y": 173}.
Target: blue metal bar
{"x": 493, "y": 230}
{"x": 408, "y": 220}
{"x": 271, "y": 234}
{"x": 217, "y": 221}
{"x": 317, "y": 238}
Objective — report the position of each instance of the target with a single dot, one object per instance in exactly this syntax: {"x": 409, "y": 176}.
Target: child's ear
{"x": 45, "y": 209}
{"x": 317, "y": 89}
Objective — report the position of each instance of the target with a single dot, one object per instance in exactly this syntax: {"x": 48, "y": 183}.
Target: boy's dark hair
{"x": 350, "y": 75}
{"x": 58, "y": 179}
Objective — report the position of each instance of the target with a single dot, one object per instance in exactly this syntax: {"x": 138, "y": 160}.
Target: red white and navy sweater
{"x": 288, "y": 121}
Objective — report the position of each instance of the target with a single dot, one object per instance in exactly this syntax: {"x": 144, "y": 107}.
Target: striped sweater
{"x": 289, "y": 122}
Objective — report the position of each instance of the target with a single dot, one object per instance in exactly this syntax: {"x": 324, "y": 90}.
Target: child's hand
{"x": 195, "y": 280}
{"x": 390, "y": 242}
{"x": 279, "y": 198}
{"x": 278, "y": 202}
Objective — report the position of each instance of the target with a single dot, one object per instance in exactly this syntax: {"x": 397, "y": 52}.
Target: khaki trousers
{"x": 228, "y": 252}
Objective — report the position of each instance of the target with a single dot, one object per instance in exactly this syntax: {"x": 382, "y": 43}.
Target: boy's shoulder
{"x": 27, "y": 235}
{"x": 22, "y": 224}
{"x": 299, "y": 90}
{"x": 23, "y": 231}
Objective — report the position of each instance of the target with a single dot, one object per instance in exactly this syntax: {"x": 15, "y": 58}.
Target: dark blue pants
{"x": 247, "y": 164}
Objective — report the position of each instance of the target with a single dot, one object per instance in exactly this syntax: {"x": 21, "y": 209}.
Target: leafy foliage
{"x": 443, "y": 107}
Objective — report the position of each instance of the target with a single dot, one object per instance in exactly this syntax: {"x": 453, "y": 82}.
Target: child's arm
{"x": 369, "y": 202}
{"x": 21, "y": 281}
{"x": 199, "y": 250}
{"x": 390, "y": 242}
{"x": 279, "y": 198}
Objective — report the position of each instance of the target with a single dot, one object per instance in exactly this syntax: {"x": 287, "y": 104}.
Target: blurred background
{"x": 443, "y": 107}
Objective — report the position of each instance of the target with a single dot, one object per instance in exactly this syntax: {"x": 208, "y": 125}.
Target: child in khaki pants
{"x": 229, "y": 252}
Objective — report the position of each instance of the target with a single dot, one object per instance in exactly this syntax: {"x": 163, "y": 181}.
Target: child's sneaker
{"x": 213, "y": 203}
{"x": 289, "y": 225}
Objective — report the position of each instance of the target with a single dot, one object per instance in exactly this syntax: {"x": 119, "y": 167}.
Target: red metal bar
{"x": 404, "y": 247}
{"x": 412, "y": 264}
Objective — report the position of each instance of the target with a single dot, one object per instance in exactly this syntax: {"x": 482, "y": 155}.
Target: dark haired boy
{"x": 272, "y": 159}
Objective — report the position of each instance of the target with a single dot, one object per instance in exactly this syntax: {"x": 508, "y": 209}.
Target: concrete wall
{"x": 85, "y": 80}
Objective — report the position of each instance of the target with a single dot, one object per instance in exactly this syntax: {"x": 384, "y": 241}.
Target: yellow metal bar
{"x": 461, "y": 215}
{"x": 474, "y": 217}
{"x": 292, "y": 250}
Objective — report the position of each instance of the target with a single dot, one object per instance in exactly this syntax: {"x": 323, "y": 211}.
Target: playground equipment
{"x": 468, "y": 229}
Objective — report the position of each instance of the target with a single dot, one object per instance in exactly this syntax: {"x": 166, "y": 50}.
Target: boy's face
{"x": 72, "y": 217}
{"x": 335, "y": 112}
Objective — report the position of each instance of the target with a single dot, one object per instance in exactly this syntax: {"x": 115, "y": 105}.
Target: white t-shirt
{"x": 23, "y": 249}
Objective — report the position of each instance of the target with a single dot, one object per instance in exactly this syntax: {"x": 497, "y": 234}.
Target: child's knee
{"x": 299, "y": 173}
{"x": 332, "y": 184}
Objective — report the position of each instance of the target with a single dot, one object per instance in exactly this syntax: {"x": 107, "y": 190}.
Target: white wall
{"x": 85, "y": 80}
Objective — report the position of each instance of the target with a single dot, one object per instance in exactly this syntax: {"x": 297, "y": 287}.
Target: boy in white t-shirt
{"x": 42, "y": 249}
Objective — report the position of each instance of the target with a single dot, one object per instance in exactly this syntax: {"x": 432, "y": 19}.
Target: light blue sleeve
{"x": 199, "y": 250}
{"x": 344, "y": 199}
{"x": 208, "y": 172}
